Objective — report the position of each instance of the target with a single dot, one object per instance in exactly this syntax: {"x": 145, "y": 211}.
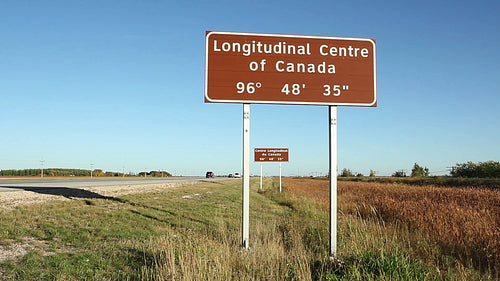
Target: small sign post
{"x": 270, "y": 155}
{"x": 290, "y": 69}
{"x": 260, "y": 187}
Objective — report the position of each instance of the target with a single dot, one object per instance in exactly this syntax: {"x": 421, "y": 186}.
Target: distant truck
{"x": 209, "y": 175}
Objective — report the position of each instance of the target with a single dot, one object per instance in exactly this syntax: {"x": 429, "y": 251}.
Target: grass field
{"x": 193, "y": 233}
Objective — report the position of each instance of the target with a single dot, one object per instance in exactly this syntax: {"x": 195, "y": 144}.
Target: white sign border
{"x": 207, "y": 40}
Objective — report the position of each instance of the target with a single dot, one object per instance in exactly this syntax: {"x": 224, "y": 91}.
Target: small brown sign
{"x": 290, "y": 69}
{"x": 271, "y": 154}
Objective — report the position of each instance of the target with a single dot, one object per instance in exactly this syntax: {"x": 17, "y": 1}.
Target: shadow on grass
{"x": 67, "y": 192}
{"x": 211, "y": 181}
{"x": 78, "y": 193}
{"x": 133, "y": 259}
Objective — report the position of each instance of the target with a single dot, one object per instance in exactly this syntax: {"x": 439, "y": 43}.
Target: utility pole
{"x": 91, "y": 168}
{"x": 42, "y": 162}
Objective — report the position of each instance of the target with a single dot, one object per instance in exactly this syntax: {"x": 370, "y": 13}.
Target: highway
{"x": 13, "y": 184}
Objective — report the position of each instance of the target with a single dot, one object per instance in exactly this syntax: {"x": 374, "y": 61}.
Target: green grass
{"x": 194, "y": 233}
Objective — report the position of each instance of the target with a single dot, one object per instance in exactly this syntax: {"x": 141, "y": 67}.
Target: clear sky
{"x": 120, "y": 84}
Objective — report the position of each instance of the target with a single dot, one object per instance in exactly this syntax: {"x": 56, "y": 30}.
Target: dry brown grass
{"x": 464, "y": 222}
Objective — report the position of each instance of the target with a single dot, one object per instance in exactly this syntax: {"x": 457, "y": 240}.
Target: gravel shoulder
{"x": 11, "y": 199}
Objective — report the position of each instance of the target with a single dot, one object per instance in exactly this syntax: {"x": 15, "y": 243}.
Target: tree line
{"x": 54, "y": 172}
{"x": 155, "y": 174}
{"x": 60, "y": 172}
{"x": 488, "y": 169}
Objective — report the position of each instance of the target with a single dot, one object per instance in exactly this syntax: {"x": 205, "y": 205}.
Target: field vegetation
{"x": 193, "y": 232}
{"x": 458, "y": 223}
{"x": 443, "y": 181}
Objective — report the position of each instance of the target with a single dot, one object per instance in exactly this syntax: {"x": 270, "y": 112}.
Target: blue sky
{"x": 120, "y": 84}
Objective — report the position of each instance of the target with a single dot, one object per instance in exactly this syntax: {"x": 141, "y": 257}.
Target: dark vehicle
{"x": 209, "y": 175}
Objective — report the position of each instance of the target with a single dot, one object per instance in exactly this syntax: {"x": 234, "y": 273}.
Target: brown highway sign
{"x": 289, "y": 69}
{"x": 271, "y": 154}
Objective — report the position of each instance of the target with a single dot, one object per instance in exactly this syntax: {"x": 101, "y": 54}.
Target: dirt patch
{"x": 13, "y": 250}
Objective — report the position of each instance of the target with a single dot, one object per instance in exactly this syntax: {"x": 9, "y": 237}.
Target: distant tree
{"x": 372, "y": 173}
{"x": 400, "y": 174}
{"x": 160, "y": 174}
{"x": 419, "y": 171}
{"x": 98, "y": 173}
{"x": 346, "y": 173}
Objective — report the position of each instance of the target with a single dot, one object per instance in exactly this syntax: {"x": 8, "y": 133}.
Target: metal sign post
{"x": 246, "y": 176}
{"x": 333, "y": 180}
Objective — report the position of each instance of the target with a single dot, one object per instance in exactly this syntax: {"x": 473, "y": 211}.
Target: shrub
{"x": 419, "y": 171}
{"x": 488, "y": 169}
{"x": 346, "y": 173}
{"x": 372, "y": 173}
{"x": 400, "y": 173}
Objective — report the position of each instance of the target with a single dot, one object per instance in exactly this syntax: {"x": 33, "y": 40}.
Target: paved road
{"x": 33, "y": 184}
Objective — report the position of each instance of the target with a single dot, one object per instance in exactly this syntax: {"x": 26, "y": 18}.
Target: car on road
{"x": 209, "y": 175}
{"x": 237, "y": 175}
